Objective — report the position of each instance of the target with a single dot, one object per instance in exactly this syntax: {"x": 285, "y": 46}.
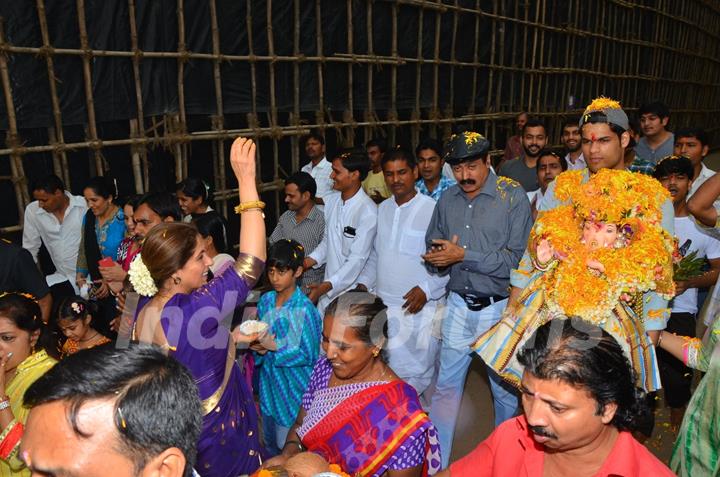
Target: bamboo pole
{"x": 141, "y": 151}
{"x": 135, "y": 158}
{"x": 96, "y": 144}
{"x": 273, "y": 107}
{"x": 218, "y": 121}
{"x": 320, "y": 115}
{"x": 417, "y": 112}
{"x": 435, "y": 112}
{"x": 370, "y": 111}
{"x": 393, "y": 112}
{"x": 59, "y": 157}
{"x": 179, "y": 121}
{"x": 348, "y": 132}
{"x": 295, "y": 116}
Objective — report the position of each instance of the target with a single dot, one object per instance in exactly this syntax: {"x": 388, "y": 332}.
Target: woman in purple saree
{"x": 190, "y": 317}
{"x": 356, "y": 412}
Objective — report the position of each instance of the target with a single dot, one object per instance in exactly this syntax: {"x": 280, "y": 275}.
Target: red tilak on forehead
{"x": 592, "y": 137}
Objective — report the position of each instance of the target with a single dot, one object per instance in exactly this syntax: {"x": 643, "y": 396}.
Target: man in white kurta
{"x": 415, "y": 298}
{"x": 350, "y": 223}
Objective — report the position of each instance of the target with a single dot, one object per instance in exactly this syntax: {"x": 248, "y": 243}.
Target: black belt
{"x": 477, "y": 303}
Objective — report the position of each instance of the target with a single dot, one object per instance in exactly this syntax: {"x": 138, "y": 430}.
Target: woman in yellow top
{"x": 75, "y": 320}
{"x": 26, "y": 353}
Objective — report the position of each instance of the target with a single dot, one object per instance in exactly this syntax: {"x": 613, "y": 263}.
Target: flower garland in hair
{"x": 140, "y": 277}
{"x": 640, "y": 261}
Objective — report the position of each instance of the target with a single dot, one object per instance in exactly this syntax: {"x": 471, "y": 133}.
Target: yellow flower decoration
{"x": 632, "y": 202}
{"x": 472, "y": 137}
{"x": 600, "y": 103}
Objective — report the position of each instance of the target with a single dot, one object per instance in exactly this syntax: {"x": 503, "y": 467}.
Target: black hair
{"x": 586, "y": 356}
{"x": 634, "y": 123}
{"x": 212, "y": 224}
{"x": 194, "y": 188}
{"x": 75, "y": 308}
{"x": 317, "y": 135}
{"x": 132, "y": 201}
{"x": 304, "y": 182}
{"x": 103, "y": 186}
{"x": 674, "y": 165}
{"x": 378, "y": 142}
{"x": 657, "y": 108}
{"x": 598, "y": 117}
{"x": 157, "y": 404}
{"x": 363, "y": 312}
{"x": 430, "y": 143}
{"x": 548, "y": 152}
{"x": 22, "y": 309}
{"x": 162, "y": 203}
{"x": 354, "y": 160}
{"x": 400, "y": 155}
{"x": 285, "y": 254}
{"x": 534, "y": 123}
{"x": 697, "y": 133}
{"x": 50, "y": 184}
{"x": 570, "y": 121}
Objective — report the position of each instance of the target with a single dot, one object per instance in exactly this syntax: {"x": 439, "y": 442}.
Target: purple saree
{"x": 368, "y": 428}
{"x": 196, "y": 328}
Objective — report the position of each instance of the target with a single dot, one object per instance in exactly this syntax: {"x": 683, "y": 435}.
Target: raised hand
{"x": 242, "y": 158}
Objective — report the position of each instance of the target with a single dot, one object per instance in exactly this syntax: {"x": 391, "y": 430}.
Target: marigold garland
{"x": 600, "y": 103}
{"x": 633, "y": 202}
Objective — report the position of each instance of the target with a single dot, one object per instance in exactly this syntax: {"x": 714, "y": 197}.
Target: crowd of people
{"x": 577, "y": 277}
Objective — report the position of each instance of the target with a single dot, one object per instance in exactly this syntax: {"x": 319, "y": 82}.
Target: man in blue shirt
{"x": 477, "y": 235}
{"x": 430, "y": 163}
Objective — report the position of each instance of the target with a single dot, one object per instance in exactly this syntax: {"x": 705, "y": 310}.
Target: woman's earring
{"x": 376, "y": 353}
{"x": 177, "y": 280}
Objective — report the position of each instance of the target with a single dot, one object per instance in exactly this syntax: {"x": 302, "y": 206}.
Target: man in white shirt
{"x": 413, "y": 295}
{"x": 571, "y": 140}
{"x": 318, "y": 167}
{"x": 350, "y": 223}
{"x": 55, "y": 219}
{"x": 693, "y": 143}
{"x": 675, "y": 174}
{"x": 549, "y": 166}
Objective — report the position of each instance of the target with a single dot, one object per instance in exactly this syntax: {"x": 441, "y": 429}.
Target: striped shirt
{"x": 285, "y": 373}
{"x": 308, "y": 233}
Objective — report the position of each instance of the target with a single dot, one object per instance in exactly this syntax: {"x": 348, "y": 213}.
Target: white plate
{"x": 253, "y": 326}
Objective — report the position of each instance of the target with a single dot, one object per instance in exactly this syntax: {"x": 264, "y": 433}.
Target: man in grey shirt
{"x": 523, "y": 169}
{"x": 657, "y": 142}
{"x": 303, "y": 222}
{"x": 477, "y": 234}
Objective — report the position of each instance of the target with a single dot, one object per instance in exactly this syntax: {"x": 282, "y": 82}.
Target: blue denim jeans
{"x": 460, "y": 328}
{"x": 274, "y": 435}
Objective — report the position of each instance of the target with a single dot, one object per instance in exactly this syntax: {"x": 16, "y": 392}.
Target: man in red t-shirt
{"x": 580, "y": 405}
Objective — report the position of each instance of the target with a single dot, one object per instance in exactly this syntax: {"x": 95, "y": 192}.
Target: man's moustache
{"x": 541, "y": 431}
{"x": 467, "y": 182}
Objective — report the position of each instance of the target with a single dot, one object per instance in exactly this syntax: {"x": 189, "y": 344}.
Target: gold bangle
{"x": 244, "y": 206}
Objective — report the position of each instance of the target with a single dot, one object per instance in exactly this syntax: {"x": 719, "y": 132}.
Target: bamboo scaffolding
{"x": 522, "y": 59}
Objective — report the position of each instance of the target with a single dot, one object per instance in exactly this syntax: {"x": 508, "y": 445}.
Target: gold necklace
{"x": 90, "y": 339}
